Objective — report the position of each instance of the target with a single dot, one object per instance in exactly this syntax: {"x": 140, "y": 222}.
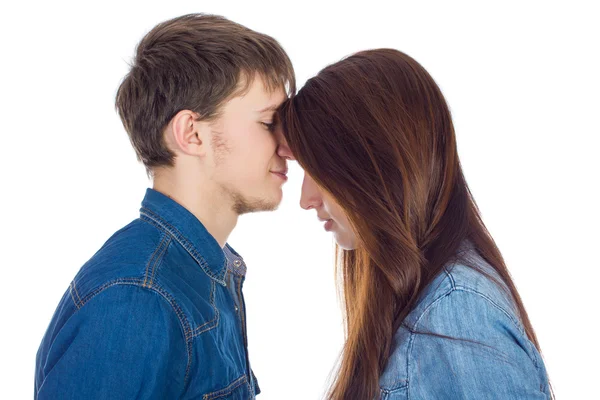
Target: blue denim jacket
{"x": 156, "y": 313}
{"x": 494, "y": 359}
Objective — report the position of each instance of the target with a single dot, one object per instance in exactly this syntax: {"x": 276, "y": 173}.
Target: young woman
{"x": 430, "y": 308}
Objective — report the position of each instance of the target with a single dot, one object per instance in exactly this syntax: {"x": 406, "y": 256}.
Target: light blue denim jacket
{"x": 495, "y": 360}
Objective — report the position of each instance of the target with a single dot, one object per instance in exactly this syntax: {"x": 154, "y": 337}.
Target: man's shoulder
{"x": 123, "y": 257}
{"x": 142, "y": 255}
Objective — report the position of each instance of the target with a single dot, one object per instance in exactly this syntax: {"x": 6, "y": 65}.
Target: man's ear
{"x": 189, "y": 135}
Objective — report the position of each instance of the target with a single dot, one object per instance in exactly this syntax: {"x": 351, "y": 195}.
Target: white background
{"x": 521, "y": 79}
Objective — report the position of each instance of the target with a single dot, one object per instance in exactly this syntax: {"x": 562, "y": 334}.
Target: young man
{"x": 158, "y": 311}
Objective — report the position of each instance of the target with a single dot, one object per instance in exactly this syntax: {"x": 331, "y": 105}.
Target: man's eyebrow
{"x": 273, "y": 107}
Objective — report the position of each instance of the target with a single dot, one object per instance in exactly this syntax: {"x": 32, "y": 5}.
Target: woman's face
{"x": 329, "y": 212}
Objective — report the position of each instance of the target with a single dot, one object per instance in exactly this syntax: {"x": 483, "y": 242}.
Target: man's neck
{"x": 205, "y": 201}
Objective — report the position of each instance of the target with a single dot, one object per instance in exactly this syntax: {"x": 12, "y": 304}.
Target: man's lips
{"x": 282, "y": 174}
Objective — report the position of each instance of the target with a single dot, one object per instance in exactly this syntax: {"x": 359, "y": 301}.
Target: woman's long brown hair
{"x": 374, "y": 130}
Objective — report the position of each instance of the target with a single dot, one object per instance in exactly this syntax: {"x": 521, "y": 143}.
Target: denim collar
{"x": 188, "y": 231}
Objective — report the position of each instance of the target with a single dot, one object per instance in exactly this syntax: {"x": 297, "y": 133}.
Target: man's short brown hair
{"x": 194, "y": 62}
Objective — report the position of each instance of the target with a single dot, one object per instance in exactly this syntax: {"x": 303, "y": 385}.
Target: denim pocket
{"x": 236, "y": 390}
{"x": 395, "y": 394}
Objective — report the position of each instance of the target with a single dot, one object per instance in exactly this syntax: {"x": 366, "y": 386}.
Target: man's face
{"x": 245, "y": 163}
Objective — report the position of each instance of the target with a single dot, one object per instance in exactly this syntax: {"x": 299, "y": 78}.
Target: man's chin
{"x": 245, "y": 206}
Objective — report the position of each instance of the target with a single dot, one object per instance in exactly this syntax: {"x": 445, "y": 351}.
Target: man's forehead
{"x": 256, "y": 82}
{"x": 259, "y": 97}
{"x": 267, "y": 101}
{"x": 271, "y": 108}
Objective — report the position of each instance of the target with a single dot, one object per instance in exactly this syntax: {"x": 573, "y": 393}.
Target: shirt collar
{"x": 188, "y": 231}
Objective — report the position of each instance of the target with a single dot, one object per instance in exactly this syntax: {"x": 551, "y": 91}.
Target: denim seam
{"x": 183, "y": 241}
{"x": 74, "y": 290}
{"x": 436, "y": 301}
{"x": 152, "y": 257}
{"x": 414, "y": 327}
{"x": 154, "y": 224}
{"x": 225, "y": 391}
{"x": 243, "y": 324}
{"x": 159, "y": 259}
{"x": 394, "y": 390}
{"x": 496, "y": 305}
{"x": 510, "y": 317}
{"x": 450, "y": 277}
{"x": 212, "y": 323}
{"x": 168, "y": 297}
{"x": 254, "y": 381}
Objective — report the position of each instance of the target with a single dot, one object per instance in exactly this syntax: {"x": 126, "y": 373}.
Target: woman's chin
{"x": 344, "y": 242}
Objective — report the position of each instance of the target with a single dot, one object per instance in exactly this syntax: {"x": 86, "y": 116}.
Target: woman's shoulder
{"x": 463, "y": 288}
{"x": 466, "y": 323}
